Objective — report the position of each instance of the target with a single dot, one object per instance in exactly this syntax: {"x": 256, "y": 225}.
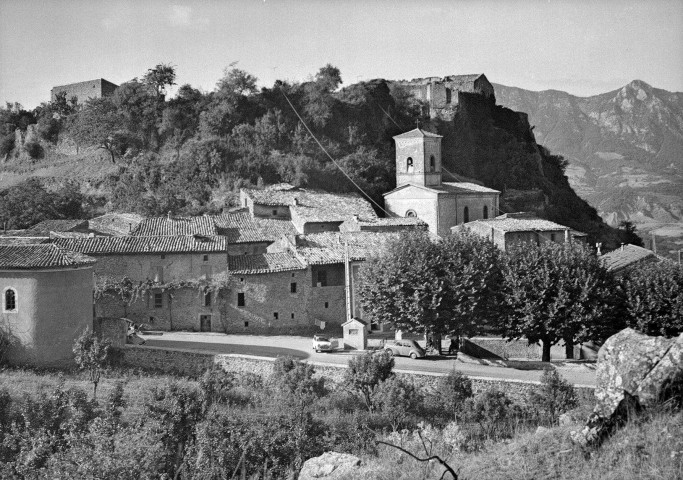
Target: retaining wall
{"x": 193, "y": 363}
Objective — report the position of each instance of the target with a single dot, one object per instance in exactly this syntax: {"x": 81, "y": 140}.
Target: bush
{"x": 553, "y": 397}
{"x": 494, "y": 414}
{"x": 33, "y": 149}
{"x": 452, "y": 392}
{"x": 6, "y": 144}
{"x": 366, "y": 372}
{"x": 395, "y": 399}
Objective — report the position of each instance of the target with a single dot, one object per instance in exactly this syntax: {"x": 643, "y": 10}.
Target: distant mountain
{"x": 625, "y": 151}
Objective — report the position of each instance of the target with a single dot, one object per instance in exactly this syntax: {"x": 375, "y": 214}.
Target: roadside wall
{"x": 194, "y": 363}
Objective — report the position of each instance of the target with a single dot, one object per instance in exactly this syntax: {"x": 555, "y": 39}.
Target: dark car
{"x": 406, "y": 348}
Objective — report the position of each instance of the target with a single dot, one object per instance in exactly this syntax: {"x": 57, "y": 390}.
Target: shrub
{"x": 6, "y": 144}
{"x": 493, "y": 413}
{"x": 216, "y": 385}
{"x": 33, "y": 149}
{"x": 553, "y": 397}
{"x": 366, "y": 372}
{"x": 92, "y": 355}
{"x": 395, "y": 399}
{"x": 452, "y": 391}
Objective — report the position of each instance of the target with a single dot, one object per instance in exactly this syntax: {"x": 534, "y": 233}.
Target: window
{"x": 353, "y": 331}
{"x": 159, "y": 275}
{"x": 292, "y": 287}
{"x": 293, "y": 275}
{"x": 163, "y": 256}
{"x": 448, "y": 95}
{"x": 274, "y": 212}
{"x": 151, "y": 319}
{"x": 486, "y": 212}
{"x": 322, "y": 278}
{"x": 292, "y": 315}
{"x": 466, "y": 214}
{"x": 10, "y": 304}
{"x": 206, "y": 258}
{"x": 432, "y": 164}
{"x": 552, "y": 237}
{"x": 411, "y": 214}
{"x": 240, "y": 299}
{"x": 276, "y": 315}
{"x": 327, "y": 304}
{"x": 158, "y": 300}
{"x": 409, "y": 165}
{"x": 207, "y": 299}
{"x": 246, "y": 324}
{"x": 242, "y": 279}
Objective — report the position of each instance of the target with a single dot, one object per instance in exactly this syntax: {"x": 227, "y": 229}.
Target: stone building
{"x": 442, "y": 95}
{"x": 420, "y": 191}
{"x": 46, "y": 301}
{"x": 85, "y": 90}
{"x": 519, "y": 228}
{"x": 166, "y": 282}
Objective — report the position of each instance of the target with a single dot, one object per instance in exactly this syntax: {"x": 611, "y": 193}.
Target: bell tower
{"x": 418, "y": 158}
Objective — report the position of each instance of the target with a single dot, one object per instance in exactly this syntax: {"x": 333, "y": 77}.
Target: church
{"x": 420, "y": 191}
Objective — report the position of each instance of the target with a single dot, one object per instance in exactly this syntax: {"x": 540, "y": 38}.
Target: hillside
{"x": 625, "y": 151}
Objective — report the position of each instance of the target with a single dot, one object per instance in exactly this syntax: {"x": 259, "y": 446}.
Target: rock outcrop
{"x": 329, "y": 466}
{"x": 634, "y": 371}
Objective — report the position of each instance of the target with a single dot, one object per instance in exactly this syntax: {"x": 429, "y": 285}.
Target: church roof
{"x": 418, "y": 133}
{"x": 449, "y": 187}
{"x": 27, "y": 257}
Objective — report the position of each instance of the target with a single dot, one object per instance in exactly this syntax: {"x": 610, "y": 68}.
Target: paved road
{"x": 300, "y": 347}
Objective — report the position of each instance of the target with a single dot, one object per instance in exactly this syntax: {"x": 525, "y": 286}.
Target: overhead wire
{"x": 389, "y": 214}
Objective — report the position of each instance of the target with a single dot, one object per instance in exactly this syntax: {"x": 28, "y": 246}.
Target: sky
{"x": 584, "y": 47}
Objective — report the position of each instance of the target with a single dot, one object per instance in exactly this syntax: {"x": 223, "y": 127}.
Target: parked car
{"x": 406, "y": 348}
{"x": 132, "y": 334}
{"x": 324, "y": 344}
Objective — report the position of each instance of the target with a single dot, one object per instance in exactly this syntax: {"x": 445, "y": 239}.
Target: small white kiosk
{"x": 355, "y": 334}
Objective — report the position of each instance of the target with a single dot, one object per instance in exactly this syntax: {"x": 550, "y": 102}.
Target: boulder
{"x": 329, "y": 466}
{"x": 634, "y": 371}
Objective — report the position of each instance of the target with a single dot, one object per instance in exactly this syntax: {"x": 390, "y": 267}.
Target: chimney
{"x": 567, "y": 236}
{"x": 355, "y": 218}
{"x": 622, "y": 246}
{"x": 295, "y": 201}
{"x": 170, "y": 217}
{"x": 598, "y": 246}
{"x": 130, "y": 227}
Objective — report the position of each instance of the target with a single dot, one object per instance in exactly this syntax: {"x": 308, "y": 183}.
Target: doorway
{"x": 205, "y": 323}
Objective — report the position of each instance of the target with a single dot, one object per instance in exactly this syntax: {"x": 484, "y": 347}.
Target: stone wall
{"x": 168, "y": 267}
{"x": 84, "y": 90}
{"x": 194, "y": 363}
{"x": 112, "y": 329}
{"x": 496, "y": 347}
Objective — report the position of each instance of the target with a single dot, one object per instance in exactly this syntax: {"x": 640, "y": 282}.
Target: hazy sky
{"x": 583, "y": 47}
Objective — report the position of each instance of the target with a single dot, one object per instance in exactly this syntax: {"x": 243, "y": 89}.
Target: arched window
{"x": 10, "y": 300}
{"x": 411, "y": 213}
{"x": 486, "y": 212}
{"x": 432, "y": 164}
{"x": 409, "y": 165}
{"x": 466, "y": 214}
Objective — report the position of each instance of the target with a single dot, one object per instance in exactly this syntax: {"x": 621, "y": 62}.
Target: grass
{"x": 648, "y": 447}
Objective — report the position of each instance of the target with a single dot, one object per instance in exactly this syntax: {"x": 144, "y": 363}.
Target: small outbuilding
{"x": 47, "y": 302}
{"x": 355, "y": 334}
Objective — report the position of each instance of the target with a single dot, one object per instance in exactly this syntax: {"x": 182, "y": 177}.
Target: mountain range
{"x": 624, "y": 148}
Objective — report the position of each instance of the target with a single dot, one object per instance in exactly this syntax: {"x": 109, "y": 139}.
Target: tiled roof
{"x": 143, "y": 245}
{"x": 520, "y": 224}
{"x": 328, "y": 247}
{"x": 264, "y": 263}
{"x": 9, "y": 240}
{"x": 115, "y": 223}
{"x": 467, "y": 187}
{"x": 626, "y": 256}
{"x": 418, "y": 133}
{"x": 168, "y": 226}
{"x": 242, "y": 228}
{"x": 316, "y": 206}
{"x": 47, "y": 226}
{"x": 22, "y": 257}
{"x": 394, "y": 221}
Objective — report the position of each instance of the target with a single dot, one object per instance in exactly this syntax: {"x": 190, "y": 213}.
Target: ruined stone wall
{"x": 85, "y": 90}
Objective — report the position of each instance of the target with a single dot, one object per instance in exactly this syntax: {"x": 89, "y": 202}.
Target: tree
{"x": 92, "y": 354}
{"x": 160, "y": 77}
{"x": 654, "y": 298}
{"x": 99, "y": 124}
{"x": 423, "y": 286}
{"x": 553, "y": 397}
{"x": 555, "y": 292}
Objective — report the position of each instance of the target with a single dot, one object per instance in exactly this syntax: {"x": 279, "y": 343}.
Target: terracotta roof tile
{"x": 242, "y": 228}
{"x": 115, "y": 223}
{"x": 328, "y": 247}
{"x": 163, "y": 226}
{"x": 264, "y": 263}
{"x": 521, "y": 224}
{"x": 22, "y": 257}
{"x": 47, "y": 226}
{"x": 625, "y": 257}
{"x": 143, "y": 245}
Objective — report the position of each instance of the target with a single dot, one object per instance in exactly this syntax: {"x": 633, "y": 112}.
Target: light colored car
{"x": 406, "y": 348}
{"x": 324, "y": 344}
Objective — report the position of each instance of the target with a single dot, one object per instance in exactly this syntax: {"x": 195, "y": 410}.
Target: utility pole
{"x": 347, "y": 280}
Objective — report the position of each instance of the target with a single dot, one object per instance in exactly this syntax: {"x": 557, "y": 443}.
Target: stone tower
{"x": 418, "y": 158}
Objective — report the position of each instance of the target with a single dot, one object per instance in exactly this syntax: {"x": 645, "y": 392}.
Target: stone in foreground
{"x": 634, "y": 371}
{"x": 329, "y": 466}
